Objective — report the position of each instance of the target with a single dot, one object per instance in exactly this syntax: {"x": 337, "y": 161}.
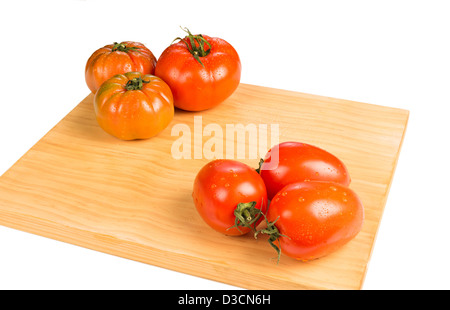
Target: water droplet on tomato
{"x": 333, "y": 188}
{"x": 213, "y": 185}
{"x": 227, "y": 184}
{"x": 301, "y": 199}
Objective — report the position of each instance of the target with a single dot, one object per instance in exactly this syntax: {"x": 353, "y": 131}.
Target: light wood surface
{"x": 133, "y": 199}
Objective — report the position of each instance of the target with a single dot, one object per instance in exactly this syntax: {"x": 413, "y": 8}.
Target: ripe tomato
{"x": 290, "y": 162}
{"x": 201, "y": 71}
{"x": 134, "y": 106}
{"x": 230, "y": 196}
{"x": 118, "y": 58}
{"x": 308, "y": 220}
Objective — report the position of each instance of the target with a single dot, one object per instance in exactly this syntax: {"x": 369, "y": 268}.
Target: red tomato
{"x": 118, "y": 58}
{"x": 290, "y": 162}
{"x": 229, "y": 196}
{"x": 201, "y": 71}
{"x": 134, "y": 106}
{"x": 308, "y": 220}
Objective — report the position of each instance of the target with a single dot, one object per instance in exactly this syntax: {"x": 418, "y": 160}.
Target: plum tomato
{"x": 308, "y": 220}
{"x": 290, "y": 162}
{"x": 230, "y": 196}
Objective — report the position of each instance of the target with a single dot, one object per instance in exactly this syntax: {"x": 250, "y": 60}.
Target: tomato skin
{"x": 196, "y": 87}
{"x": 317, "y": 217}
{"x": 220, "y": 186}
{"x": 108, "y": 61}
{"x": 299, "y": 162}
{"x": 133, "y": 114}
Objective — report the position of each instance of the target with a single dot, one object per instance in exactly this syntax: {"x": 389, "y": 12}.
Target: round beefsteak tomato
{"x": 202, "y": 71}
{"x": 230, "y": 196}
{"x": 308, "y": 220}
{"x": 118, "y": 58}
{"x": 134, "y": 106}
{"x": 290, "y": 162}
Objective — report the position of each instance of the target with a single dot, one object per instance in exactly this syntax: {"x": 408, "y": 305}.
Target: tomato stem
{"x": 121, "y": 47}
{"x": 135, "y": 84}
{"x": 274, "y": 235}
{"x": 196, "y": 45}
{"x": 246, "y": 215}
{"x": 261, "y": 162}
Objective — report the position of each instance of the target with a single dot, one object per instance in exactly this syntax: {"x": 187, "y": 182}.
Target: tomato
{"x": 308, "y": 220}
{"x": 202, "y": 71}
{"x": 118, "y": 58}
{"x": 290, "y": 162}
{"x": 230, "y": 196}
{"x": 134, "y": 106}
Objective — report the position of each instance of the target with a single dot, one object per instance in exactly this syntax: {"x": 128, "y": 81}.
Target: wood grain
{"x": 133, "y": 199}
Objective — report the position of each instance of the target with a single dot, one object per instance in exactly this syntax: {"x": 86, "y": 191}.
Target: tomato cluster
{"x": 312, "y": 210}
{"x": 299, "y": 196}
{"x": 136, "y": 94}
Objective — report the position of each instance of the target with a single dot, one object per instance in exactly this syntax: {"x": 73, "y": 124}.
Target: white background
{"x": 391, "y": 53}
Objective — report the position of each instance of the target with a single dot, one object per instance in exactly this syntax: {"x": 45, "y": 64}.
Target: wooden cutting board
{"x": 133, "y": 198}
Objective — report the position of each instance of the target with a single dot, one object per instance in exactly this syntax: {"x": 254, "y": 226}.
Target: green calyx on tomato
{"x": 196, "y": 45}
{"x": 121, "y": 47}
{"x": 246, "y": 215}
{"x": 230, "y": 197}
{"x": 274, "y": 234}
{"x": 135, "y": 84}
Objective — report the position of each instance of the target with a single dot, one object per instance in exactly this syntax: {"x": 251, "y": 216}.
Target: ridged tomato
{"x": 118, "y": 58}
{"x": 134, "y": 106}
